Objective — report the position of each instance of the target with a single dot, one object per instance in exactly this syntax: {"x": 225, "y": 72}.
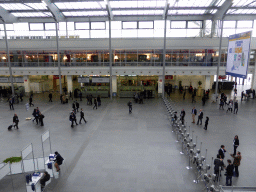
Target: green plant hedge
{"x": 12, "y": 160}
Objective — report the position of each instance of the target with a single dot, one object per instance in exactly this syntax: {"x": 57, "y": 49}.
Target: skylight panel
{"x": 81, "y": 5}
{"x": 32, "y": 14}
{"x": 137, "y": 4}
{"x": 140, "y": 12}
{"x": 241, "y": 11}
{"x": 85, "y": 13}
{"x": 14, "y": 6}
{"x": 189, "y": 3}
{"x": 38, "y": 6}
{"x": 186, "y": 12}
{"x": 237, "y": 3}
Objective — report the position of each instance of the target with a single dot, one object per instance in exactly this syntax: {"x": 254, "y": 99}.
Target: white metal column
{"x": 58, "y": 52}
{"x": 110, "y": 59}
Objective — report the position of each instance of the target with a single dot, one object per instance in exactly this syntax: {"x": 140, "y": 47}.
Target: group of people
{"x": 38, "y": 117}
{"x": 200, "y": 117}
{"x": 72, "y": 117}
{"x": 138, "y": 97}
{"x": 231, "y": 104}
{"x": 231, "y": 168}
{"x": 96, "y": 101}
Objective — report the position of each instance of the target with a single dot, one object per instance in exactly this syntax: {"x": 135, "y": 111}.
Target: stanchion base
{"x": 189, "y": 167}
{"x": 181, "y": 153}
{"x": 196, "y": 181}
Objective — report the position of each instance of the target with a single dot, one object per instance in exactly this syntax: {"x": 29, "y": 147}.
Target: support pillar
{"x": 26, "y": 85}
{"x": 207, "y": 82}
{"x": 110, "y": 59}
{"x": 114, "y": 84}
{"x": 58, "y": 53}
{"x": 70, "y": 83}
{"x": 160, "y": 84}
{"x": 164, "y": 53}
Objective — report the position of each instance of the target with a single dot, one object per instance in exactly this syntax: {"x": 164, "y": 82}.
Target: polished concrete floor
{"x": 118, "y": 151}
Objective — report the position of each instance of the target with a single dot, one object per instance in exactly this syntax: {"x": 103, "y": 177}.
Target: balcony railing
{"x": 114, "y": 64}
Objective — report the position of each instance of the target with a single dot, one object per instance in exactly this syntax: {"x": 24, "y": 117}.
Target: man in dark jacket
{"x": 46, "y": 177}
{"x": 235, "y": 107}
{"x": 229, "y": 169}
{"x": 77, "y": 105}
{"x": 82, "y": 116}
{"x": 74, "y": 106}
{"x": 58, "y": 161}
{"x": 200, "y": 117}
{"x": 11, "y": 103}
{"x": 15, "y": 120}
{"x": 218, "y": 164}
{"x": 72, "y": 118}
{"x": 41, "y": 118}
{"x": 130, "y": 106}
{"x": 182, "y": 116}
{"x": 222, "y": 151}
{"x": 30, "y": 101}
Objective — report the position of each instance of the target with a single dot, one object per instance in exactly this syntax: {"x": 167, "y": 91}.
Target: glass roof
{"x": 81, "y": 5}
{"x": 85, "y": 13}
{"x": 94, "y": 8}
{"x": 137, "y": 4}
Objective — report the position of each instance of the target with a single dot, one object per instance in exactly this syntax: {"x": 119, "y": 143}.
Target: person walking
{"x": 130, "y": 106}
{"x": 50, "y": 97}
{"x": 230, "y": 106}
{"x": 15, "y": 120}
{"x": 37, "y": 115}
{"x": 41, "y": 118}
{"x": 206, "y": 123}
{"x": 72, "y": 118}
{"x": 236, "y": 162}
{"x": 74, "y": 106}
{"x": 30, "y": 101}
{"x": 229, "y": 169}
{"x": 95, "y": 103}
{"x": 77, "y": 105}
{"x": 184, "y": 94}
{"x": 70, "y": 95}
{"x": 235, "y": 144}
{"x": 200, "y": 117}
{"x": 194, "y": 112}
{"x": 235, "y": 107}
{"x": 11, "y": 104}
{"x": 82, "y": 117}
{"x": 203, "y": 100}
{"x": 61, "y": 98}
{"x": 182, "y": 116}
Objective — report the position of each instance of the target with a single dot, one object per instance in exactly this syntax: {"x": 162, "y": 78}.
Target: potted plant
{"x": 12, "y": 160}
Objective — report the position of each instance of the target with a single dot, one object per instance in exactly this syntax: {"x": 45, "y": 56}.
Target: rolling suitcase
{"x": 10, "y": 127}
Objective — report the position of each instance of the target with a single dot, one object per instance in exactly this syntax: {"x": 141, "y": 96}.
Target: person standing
{"x": 206, "y": 123}
{"x": 235, "y": 107}
{"x": 182, "y": 116}
{"x": 193, "y": 98}
{"x": 184, "y": 94}
{"x": 82, "y": 117}
{"x": 99, "y": 100}
{"x": 58, "y": 161}
{"x": 222, "y": 151}
{"x": 236, "y": 163}
{"x": 130, "y": 106}
{"x": 235, "y": 144}
{"x": 15, "y": 120}
{"x": 95, "y": 103}
{"x": 194, "y": 112}
{"x": 77, "y": 105}
{"x": 50, "y": 97}
{"x": 37, "y": 115}
{"x": 41, "y": 118}
{"x": 11, "y": 104}
{"x": 80, "y": 95}
{"x": 72, "y": 118}
{"x": 253, "y": 93}
{"x": 70, "y": 95}
{"x": 242, "y": 95}
{"x": 21, "y": 96}
{"x": 230, "y": 106}
{"x": 30, "y": 101}
{"x": 203, "y": 100}
{"x": 218, "y": 165}
{"x": 61, "y": 98}
{"x": 229, "y": 169}
{"x": 46, "y": 177}
{"x": 200, "y": 117}
{"x": 74, "y": 106}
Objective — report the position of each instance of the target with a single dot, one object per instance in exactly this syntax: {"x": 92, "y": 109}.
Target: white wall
{"x": 125, "y": 43}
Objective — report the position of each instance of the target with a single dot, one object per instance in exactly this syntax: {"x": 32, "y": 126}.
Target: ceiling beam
{"x": 166, "y": 8}
{"x": 219, "y": 15}
{"x": 54, "y": 10}
{"x": 6, "y": 16}
{"x": 108, "y": 7}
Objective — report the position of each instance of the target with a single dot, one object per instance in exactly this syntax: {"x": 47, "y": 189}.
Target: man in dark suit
{"x": 200, "y": 117}
{"x": 194, "y": 113}
{"x": 222, "y": 151}
{"x": 16, "y": 121}
{"x": 82, "y": 116}
{"x": 218, "y": 163}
